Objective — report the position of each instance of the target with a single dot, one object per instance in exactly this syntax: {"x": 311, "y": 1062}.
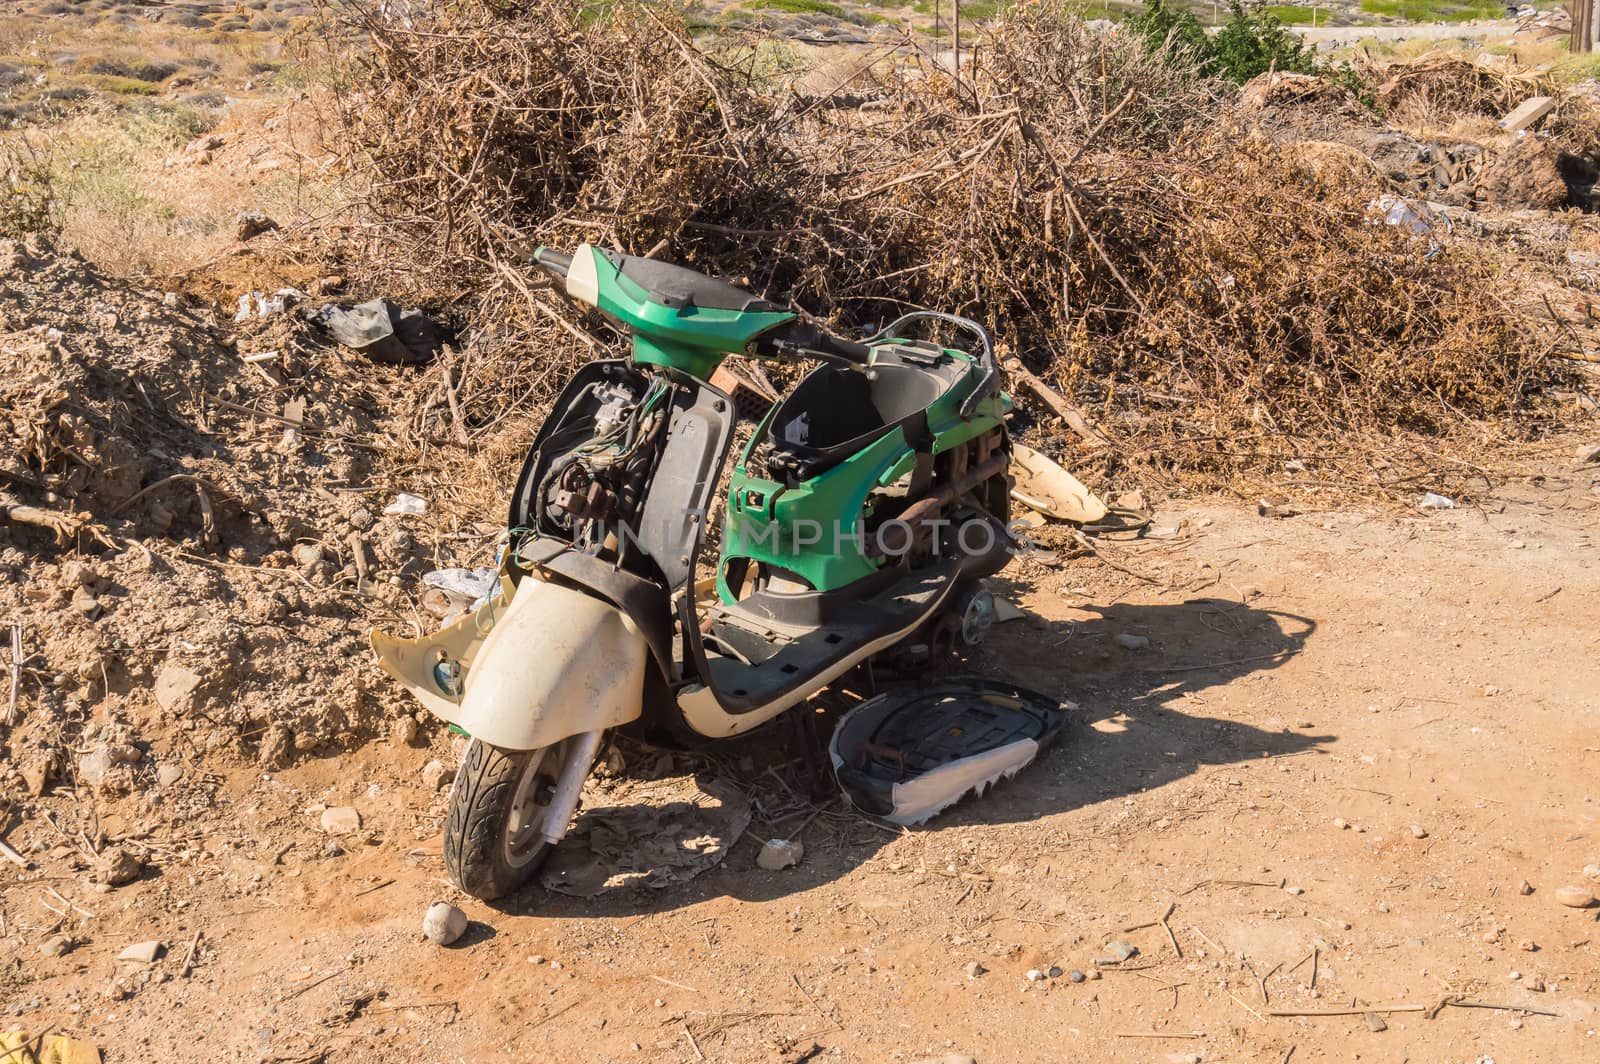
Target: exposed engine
{"x": 592, "y": 492}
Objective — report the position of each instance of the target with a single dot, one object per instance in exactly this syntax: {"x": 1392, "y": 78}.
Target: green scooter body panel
{"x": 793, "y": 528}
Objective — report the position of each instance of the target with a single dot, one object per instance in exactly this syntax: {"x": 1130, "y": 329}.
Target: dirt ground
{"x": 1427, "y": 681}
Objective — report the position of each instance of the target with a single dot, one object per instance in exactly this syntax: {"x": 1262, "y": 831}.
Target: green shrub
{"x": 27, "y": 193}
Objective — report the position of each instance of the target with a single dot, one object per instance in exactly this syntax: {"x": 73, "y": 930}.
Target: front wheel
{"x": 494, "y": 834}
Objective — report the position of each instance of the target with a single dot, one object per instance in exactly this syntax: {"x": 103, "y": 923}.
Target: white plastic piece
{"x": 921, "y": 799}
{"x": 407, "y": 504}
{"x": 1434, "y": 501}
{"x": 1042, "y": 485}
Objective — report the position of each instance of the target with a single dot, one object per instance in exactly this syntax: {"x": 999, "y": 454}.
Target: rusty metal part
{"x": 932, "y": 504}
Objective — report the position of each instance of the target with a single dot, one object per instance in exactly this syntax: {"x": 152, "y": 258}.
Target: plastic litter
{"x": 470, "y": 585}
{"x": 407, "y": 504}
{"x": 261, "y": 305}
{"x": 1041, "y": 484}
{"x": 1435, "y": 501}
{"x": 1416, "y": 217}
{"x": 382, "y": 331}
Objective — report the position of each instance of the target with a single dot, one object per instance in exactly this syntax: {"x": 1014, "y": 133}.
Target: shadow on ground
{"x": 1140, "y": 722}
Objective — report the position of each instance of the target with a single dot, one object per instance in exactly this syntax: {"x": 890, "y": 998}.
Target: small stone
{"x": 1374, "y": 1022}
{"x": 1054, "y": 972}
{"x": 341, "y": 820}
{"x": 56, "y": 946}
{"x": 93, "y": 766}
{"x": 779, "y": 854}
{"x": 76, "y": 573}
{"x": 175, "y": 687}
{"x": 1340, "y": 823}
{"x": 1574, "y": 897}
{"x": 1121, "y": 950}
{"x": 974, "y": 969}
{"x": 1514, "y": 976}
{"x": 1093, "y": 973}
{"x": 1591, "y": 871}
{"x": 117, "y": 867}
{"x": 361, "y": 519}
{"x": 537, "y": 958}
{"x": 1418, "y": 831}
{"x": 1132, "y": 500}
{"x": 1076, "y": 976}
{"x": 141, "y": 952}
{"x": 252, "y": 224}
{"x": 1524, "y": 888}
{"x": 435, "y": 775}
{"x": 1294, "y": 890}
{"x": 948, "y": 1058}
{"x": 403, "y": 732}
{"x": 555, "y": 966}
{"x": 1534, "y": 983}
{"x": 85, "y": 602}
{"x": 1528, "y": 945}
{"x": 443, "y": 923}
{"x": 1589, "y": 452}
{"x": 332, "y": 848}
{"x": 1033, "y": 975}
{"x": 1128, "y": 641}
{"x": 167, "y": 775}
{"x": 307, "y": 555}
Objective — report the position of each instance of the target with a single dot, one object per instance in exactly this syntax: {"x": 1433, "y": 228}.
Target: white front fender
{"x": 554, "y": 664}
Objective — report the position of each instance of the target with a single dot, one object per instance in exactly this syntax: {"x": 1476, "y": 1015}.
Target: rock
{"x": 1574, "y": 897}
{"x": 36, "y": 776}
{"x": 361, "y": 519}
{"x": 1276, "y": 506}
{"x": 1528, "y": 945}
{"x": 75, "y": 573}
{"x": 1340, "y": 823}
{"x": 331, "y": 848}
{"x": 1076, "y": 976}
{"x": 1093, "y": 974}
{"x": 435, "y": 775}
{"x": 117, "y": 867}
{"x": 1524, "y": 888}
{"x": 1054, "y": 971}
{"x": 948, "y": 1058}
{"x": 403, "y": 732}
{"x": 307, "y": 555}
{"x": 56, "y": 946}
{"x": 779, "y": 854}
{"x": 93, "y": 766}
{"x": 974, "y": 969}
{"x": 1534, "y": 983}
{"x": 1591, "y": 871}
{"x": 1589, "y": 452}
{"x": 1128, "y": 641}
{"x": 175, "y": 688}
{"x": 443, "y": 923}
{"x": 341, "y": 820}
{"x": 277, "y": 744}
{"x": 1121, "y": 950}
{"x": 1033, "y": 975}
{"x": 142, "y": 952}
{"x": 167, "y": 775}
{"x": 1132, "y": 500}
{"x": 253, "y": 223}
{"x": 1294, "y": 890}
{"x": 1374, "y": 1022}
{"x": 1418, "y": 831}
{"x": 85, "y": 602}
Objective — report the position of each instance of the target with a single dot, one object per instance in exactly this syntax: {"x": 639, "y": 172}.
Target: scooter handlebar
{"x": 556, "y": 262}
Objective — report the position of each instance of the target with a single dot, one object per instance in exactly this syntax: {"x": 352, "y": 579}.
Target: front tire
{"x": 493, "y": 841}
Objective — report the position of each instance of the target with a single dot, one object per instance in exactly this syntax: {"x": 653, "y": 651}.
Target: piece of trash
{"x": 1294, "y": 465}
{"x": 908, "y": 754}
{"x": 1527, "y": 113}
{"x": 1416, "y": 217}
{"x": 142, "y": 952}
{"x": 261, "y": 305}
{"x": 778, "y": 854}
{"x": 22, "y": 1047}
{"x": 1435, "y": 501}
{"x": 657, "y": 845}
{"x": 1005, "y": 610}
{"x": 443, "y": 923}
{"x": 407, "y": 504}
{"x": 473, "y": 586}
{"x": 382, "y": 331}
{"x": 1041, "y": 484}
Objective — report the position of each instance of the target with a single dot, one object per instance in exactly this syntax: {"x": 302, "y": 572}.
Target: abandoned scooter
{"x": 860, "y": 516}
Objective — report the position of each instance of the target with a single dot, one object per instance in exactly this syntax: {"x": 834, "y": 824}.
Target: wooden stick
{"x": 1208, "y": 941}
{"x": 692, "y": 1043}
{"x": 1266, "y": 999}
{"x": 1171, "y": 907}
{"x": 16, "y": 673}
{"x": 13, "y": 856}
{"x": 1463, "y": 1003}
{"x": 375, "y": 886}
{"x": 1316, "y": 957}
{"x": 1247, "y": 1008}
{"x": 1348, "y": 1012}
{"x": 188, "y": 958}
{"x": 1071, "y": 415}
{"x": 1159, "y": 1034}
{"x": 813, "y": 1002}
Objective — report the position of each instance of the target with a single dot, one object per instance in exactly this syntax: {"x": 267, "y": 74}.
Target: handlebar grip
{"x": 554, "y": 261}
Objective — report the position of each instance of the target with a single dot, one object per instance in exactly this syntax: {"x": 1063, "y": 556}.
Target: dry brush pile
{"x": 1093, "y": 202}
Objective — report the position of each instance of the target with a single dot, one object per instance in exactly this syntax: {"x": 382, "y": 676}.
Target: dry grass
{"x": 1087, "y": 200}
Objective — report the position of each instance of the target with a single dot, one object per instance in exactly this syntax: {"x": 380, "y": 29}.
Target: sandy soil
{"x": 1427, "y": 680}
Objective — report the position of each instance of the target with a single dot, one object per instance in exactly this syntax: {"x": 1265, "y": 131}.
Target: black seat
{"x": 672, "y": 285}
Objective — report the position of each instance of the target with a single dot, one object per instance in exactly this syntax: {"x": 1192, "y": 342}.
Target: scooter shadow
{"x": 1143, "y": 720}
